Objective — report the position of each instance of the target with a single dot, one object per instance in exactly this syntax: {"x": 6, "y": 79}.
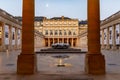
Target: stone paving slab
{"x": 47, "y": 70}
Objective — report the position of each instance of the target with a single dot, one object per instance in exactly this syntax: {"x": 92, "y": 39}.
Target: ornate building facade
{"x": 61, "y": 30}
{"x": 57, "y": 30}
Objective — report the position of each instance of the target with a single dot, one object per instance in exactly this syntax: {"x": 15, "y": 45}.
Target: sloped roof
{"x": 82, "y": 22}
{"x": 37, "y": 18}
{"x": 59, "y": 18}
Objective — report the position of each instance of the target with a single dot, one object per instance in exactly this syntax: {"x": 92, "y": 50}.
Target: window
{"x": 65, "y": 32}
{"x": 110, "y": 32}
{"x": 117, "y": 34}
{"x": 105, "y": 36}
{"x": 46, "y": 32}
{"x": 69, "y": 32}
{"x": 74, "y": 33}
{"x": 60, "y": 32}
{"x": 51, "y": 32}
{"x": 56, "y": 33}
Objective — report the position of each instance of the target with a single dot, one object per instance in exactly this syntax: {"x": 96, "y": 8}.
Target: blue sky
{"x": 68, "y": 8}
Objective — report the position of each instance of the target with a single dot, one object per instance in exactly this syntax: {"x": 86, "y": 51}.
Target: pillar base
{"x": 95, "y": 64}
{"x": 114, "y": 47}
{"x": 3, "y": 49}
{"x": 108, "y": 47}
{"x": 26, "y": 64}
{"x": 102, "y": 47}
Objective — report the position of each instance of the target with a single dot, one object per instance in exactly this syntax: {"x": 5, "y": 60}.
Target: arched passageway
{"x": 94, "y": 60}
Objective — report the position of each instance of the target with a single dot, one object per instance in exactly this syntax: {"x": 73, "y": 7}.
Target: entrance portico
{"x": 50, "y": 41}
{"x": 95, "y": 63}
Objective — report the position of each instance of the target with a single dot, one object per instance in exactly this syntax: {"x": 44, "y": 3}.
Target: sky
{"x": 56, "y": 8}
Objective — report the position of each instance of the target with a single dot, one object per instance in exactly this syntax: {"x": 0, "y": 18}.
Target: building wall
{"x": 59, "y": 30}
{"x": 109, "y": 33}
{"x": 56, "y": 30}
{"x": 10, "y": 32}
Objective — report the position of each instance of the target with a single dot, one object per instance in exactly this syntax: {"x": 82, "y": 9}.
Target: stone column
{"x": 48, "y": 42}
{"x": 43, "y": 45}
{"x": 10, "y": 46}
{"x": 71, "y": 42}
{"x": 119, "y": 36}
{"x": 0, "y": 36}
{"x": 62, "y": 40}
{"x": 114, "y": 38}
{"x": 26, "y": 63}
{"x": 58, "y": 40}
{"x": 108, "y": 36}
{"x": 94, "y": 60}
{"x": 2, "y": 45}
{"x": 20, "y": 44}
{"x": 102, "y": 39}
{"x": 67, "y": 40}
{"x": 78, "y": 43}
{"x": 16, "y": 39}
{"x": 53, "y": 41}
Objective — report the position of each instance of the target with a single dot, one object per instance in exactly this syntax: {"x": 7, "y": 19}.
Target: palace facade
{"x": 60, "y": 30}
{"x": 74, "y": 32}
{"x": 57, "y": 30}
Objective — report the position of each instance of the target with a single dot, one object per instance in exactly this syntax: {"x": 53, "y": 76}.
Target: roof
{"x": 82, "y": 22}
{"x": 37, "y": 18}
{"x": 18, "y": 17}
{"x": 1, "y": 10}
{"x": 59, "y": 18}
{"x": 8, "y": 16}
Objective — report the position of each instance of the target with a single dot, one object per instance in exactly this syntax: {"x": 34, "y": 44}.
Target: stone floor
{"x": 48, "y": 70}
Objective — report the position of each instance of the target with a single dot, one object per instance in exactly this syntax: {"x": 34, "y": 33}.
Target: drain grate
{"x": 10, "y": 64}
{"x": 112, "y": 64}
{"x": 6, "y": 78}
{"x": 79, "y": 79}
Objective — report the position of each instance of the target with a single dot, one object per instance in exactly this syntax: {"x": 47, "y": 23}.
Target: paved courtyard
{"x": 48, "y": 69}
